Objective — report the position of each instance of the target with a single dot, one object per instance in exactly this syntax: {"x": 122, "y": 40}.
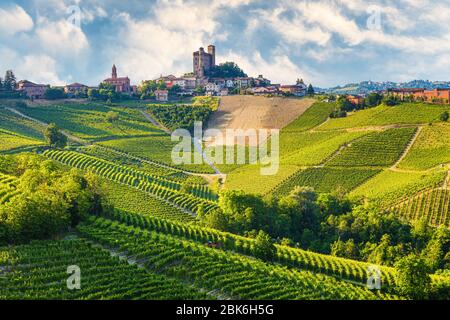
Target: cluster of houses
{"x": 203, "y": 61}
{"x": 417, "y": 94}
{"x": 224, "y": 86}
{"x": 37, "y": 91}
{"x": 438, "y": 95}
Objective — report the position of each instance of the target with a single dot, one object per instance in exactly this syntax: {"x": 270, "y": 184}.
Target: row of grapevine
{"x": 375, "y": 149}
{"x": 231, "y": 275}
{"x": 39, "y": 271}
{"x": 159, "y": 187}
{"x": 7, "y": 187}
{"x": 325, "y": 180}
{"x": 124, "y": 173}
{"x": 432, "y": 205}
{"x": 121, "y": 158}
{"x": 306, "y": 260}
{"x": 125, "y": 198}
{"x": 156, "y": 162}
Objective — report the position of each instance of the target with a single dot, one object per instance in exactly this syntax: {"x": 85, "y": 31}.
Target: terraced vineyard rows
{"x": 376, "y": 149}
{"x": 325, "y": 179}
{"x": 160, "y": 187}
{"x": 13, "y": 123}
{"x": 9, "y": 141}
{"x": 128, "y": 199}
{"x": 228, "y": 273}
{"x": 118, "y": 157}
{"x": 432, "y": 204}
{"x": 7, "y": 187}
{"x": 304, "y": 260}
{"x": 156, "y": 148}
{"x": 39, "y": 271}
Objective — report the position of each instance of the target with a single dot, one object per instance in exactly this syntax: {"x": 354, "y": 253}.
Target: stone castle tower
{"x": 204, "y": 61}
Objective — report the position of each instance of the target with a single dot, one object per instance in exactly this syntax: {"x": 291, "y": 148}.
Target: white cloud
{"x": 60, "y": 37}
{"x": 280, "y": 68}
{"x": 14, "y": 20}
{"x": 37, "y": 68}
{"x": 147, "y": 49}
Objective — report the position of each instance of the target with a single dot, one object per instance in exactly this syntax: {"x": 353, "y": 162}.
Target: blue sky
{"x": 326, "y": 42}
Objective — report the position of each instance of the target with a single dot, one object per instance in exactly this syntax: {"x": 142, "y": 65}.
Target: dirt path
{"x": 154, "y": 122}
{"x": 68, "y": 135}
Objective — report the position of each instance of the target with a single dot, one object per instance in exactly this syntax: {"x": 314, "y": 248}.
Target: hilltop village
{"x": 206, "y": 78}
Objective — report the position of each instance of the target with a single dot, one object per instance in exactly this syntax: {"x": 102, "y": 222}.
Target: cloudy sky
{"x": 326, "y": 42}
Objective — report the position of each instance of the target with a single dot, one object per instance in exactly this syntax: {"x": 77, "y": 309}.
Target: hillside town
{"x": 201, "y": 81}
{"x": 210, "y": 79}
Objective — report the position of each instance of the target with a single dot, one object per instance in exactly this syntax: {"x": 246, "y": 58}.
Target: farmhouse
{"x": 75, "y": 88}
{"x": 298, "y": 90}
{"x": 122, "y": 84}
{"x": 435, "y": 95}
{"x": 32, "y": 90}
{"x": 356, "y": 100}
{"x": 162, "y": 95}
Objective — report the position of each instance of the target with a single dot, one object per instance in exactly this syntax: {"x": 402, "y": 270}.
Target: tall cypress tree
{"x": 10, "y": 81}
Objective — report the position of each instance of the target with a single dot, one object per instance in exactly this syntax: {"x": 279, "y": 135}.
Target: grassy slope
{"x": 389, "y": 186}
{"x": 132, "y": 200}
{"x": 12, "y": 141}
{"x": 408, "y": 113}
{"x": 375, "y": 149}
{"x": 313, "y": 148}
{"x": 11, "y": 122}
{"x": 88, "y": 121}
{"x": 326, "y": 179}
{"x": 157, "y": 147}
{"x": 314, "y": 116}
{"x": 430, "y": 149}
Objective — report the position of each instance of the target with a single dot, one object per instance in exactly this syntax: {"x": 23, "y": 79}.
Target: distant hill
{"x": 370, "y": 86}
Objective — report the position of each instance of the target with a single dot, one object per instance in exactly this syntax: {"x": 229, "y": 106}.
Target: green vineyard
{"x": 432, "y": 205}
{"x": 376, "y": 149}
{"x": 326, "y": 179}
{"x": 227, "y": 274}
{"x": 125, "y": 198}
{"x": 335, "y": 266}
{"x": 158, "y": 186}
{"x": 39, "y": 271}
{"x": 7, "y": 188}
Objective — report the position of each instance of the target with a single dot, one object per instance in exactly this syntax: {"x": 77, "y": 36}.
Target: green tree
{"x": 54, "y": 94}
{"x": 215, "y": 219}
{"x": 436, "y": 249}
{"x": 390, "y": 100}
{"x": 226, "y": 70}
{"x": 412, "y": 277}
{"x": 148, "y": 87}
{"x": 264, "y": 247}
{"x": 199, "y": 90}
{"x": 112, "y": 116}
{"x": 444, "y": 117}
{"x": 9, "y": 83}
{"x": 54, "y": 137}
{"x": 310, "y": 91}
{"x": 373, "y": 99}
